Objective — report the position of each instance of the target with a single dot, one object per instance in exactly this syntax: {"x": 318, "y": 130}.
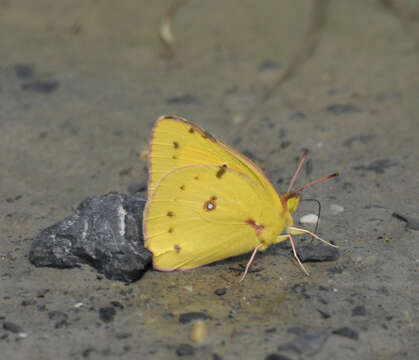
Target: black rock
{"x": 359, "y": 311}
{"x": 12, "y": 327}
{"x": 57, "y": 315}
{"x": 323, "y": 314}
{"x": 378, "y": 166}
{"x": 411, "y": 222}
{"x": 276, "y": 357}
{"x": 317, "y": 252}
{"x": 183, "y": 100}
{"x": 106, "y": 314}
{"x": 346, "y": 332}
{"x": 28, "y": 302}
{"x": 123, "y": 335}
{"x": 185, "y": 350}
{"x": 41, "y": 86}
{"x": 104, "y": 232}
{"x": 117, "y": 304}
{"x": 186, "y": 318}
{"x": 60, "y": 319}
{"x": 220, "y": 292}
{"x": 338, "y": 109}
{"x": 307, "y": 344}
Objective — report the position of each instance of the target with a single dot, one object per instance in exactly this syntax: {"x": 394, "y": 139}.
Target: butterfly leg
{"x": 296, "y": 255}
{"x": 295, "y": 231}
{"x": 250, "y": 262}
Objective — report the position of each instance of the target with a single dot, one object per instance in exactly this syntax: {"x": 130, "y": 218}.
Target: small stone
{"x": 185, "y": 350}
{"x": 117, "y": 304}
{"x": 12, "y": 327}
{"x": 186, "y": 318}
{"x": 336, "y": 209}
{"x": 317, "y": 252}
{"x": 198, "y": 332}
{"x": 185, "y": 99}
{"x": 359, "y": 311}
{"x": 346, "y": 332}
{"x": 308, "y": 219}
{"x": 338, "y": 109}
{"x": 411, "y": 222}
{"x": 220, "y": 292}
{"x": 57, "y": 315}
{"x": 41, "y": 293}
{"x": 307, "y": 344}
{"x": 276, "y": 357}
{"x": 41, "y": 86}
{"x": 28, "y": 302}
{"x": 106, "y": 314}
{"x": 123, "y": 335}
{"x": 324, "y": 315}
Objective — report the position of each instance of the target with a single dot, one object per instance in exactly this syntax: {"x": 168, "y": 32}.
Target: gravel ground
{"x": 81, "y": 84}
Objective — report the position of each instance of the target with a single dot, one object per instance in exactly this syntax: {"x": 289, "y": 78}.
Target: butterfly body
{"x": 206, "y": 201}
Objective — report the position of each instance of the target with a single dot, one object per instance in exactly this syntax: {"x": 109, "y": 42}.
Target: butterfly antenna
{"x": 318, "y": 214}
{"x": 298, "y": 170}
{"x": 315, "y": 182}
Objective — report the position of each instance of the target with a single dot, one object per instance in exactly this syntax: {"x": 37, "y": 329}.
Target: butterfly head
{"x": 291, "y": 200}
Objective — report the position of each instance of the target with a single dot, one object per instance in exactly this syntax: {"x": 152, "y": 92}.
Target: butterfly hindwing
{"x": 203, "y": 213}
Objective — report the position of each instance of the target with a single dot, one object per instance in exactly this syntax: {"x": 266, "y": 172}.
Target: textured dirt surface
{"x": 81, "y": 84}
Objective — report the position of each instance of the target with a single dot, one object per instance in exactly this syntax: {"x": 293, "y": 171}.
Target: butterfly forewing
{"x": 177, "y": 142}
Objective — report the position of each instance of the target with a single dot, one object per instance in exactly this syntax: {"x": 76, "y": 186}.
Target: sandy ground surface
{"x": 81, "y": 84}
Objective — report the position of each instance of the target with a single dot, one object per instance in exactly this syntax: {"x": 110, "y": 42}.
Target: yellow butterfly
{"x": 208, "y": 202}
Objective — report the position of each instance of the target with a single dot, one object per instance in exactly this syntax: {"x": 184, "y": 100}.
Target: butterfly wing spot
{"x": 191, "y": 130}
{"x": 170, "y": 230}
{"x": 170, "y": 214}
{"x": 210, "y": 205}
{"x": 175, "y": 144}
{"x": 177, "y": 248}
{"x": 196, "y": 178}
{"x": 182, "y": 187}
{"x": 174, "y": 157}
{"x": 258, "y": 228}
{"x": 221, "y": 171}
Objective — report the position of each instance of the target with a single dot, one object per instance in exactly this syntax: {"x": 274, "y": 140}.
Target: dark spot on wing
{"x": 210, "y": 205}
{"x": 170, "y": 214}
{"x": 258, "y": 228}
{"x": 170, "y": 230}
{"x": 182, "y": 187}
{"x": 175, "y": 144}
{"x": 177, "y": 248}
{"x": 221, "y": 171}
